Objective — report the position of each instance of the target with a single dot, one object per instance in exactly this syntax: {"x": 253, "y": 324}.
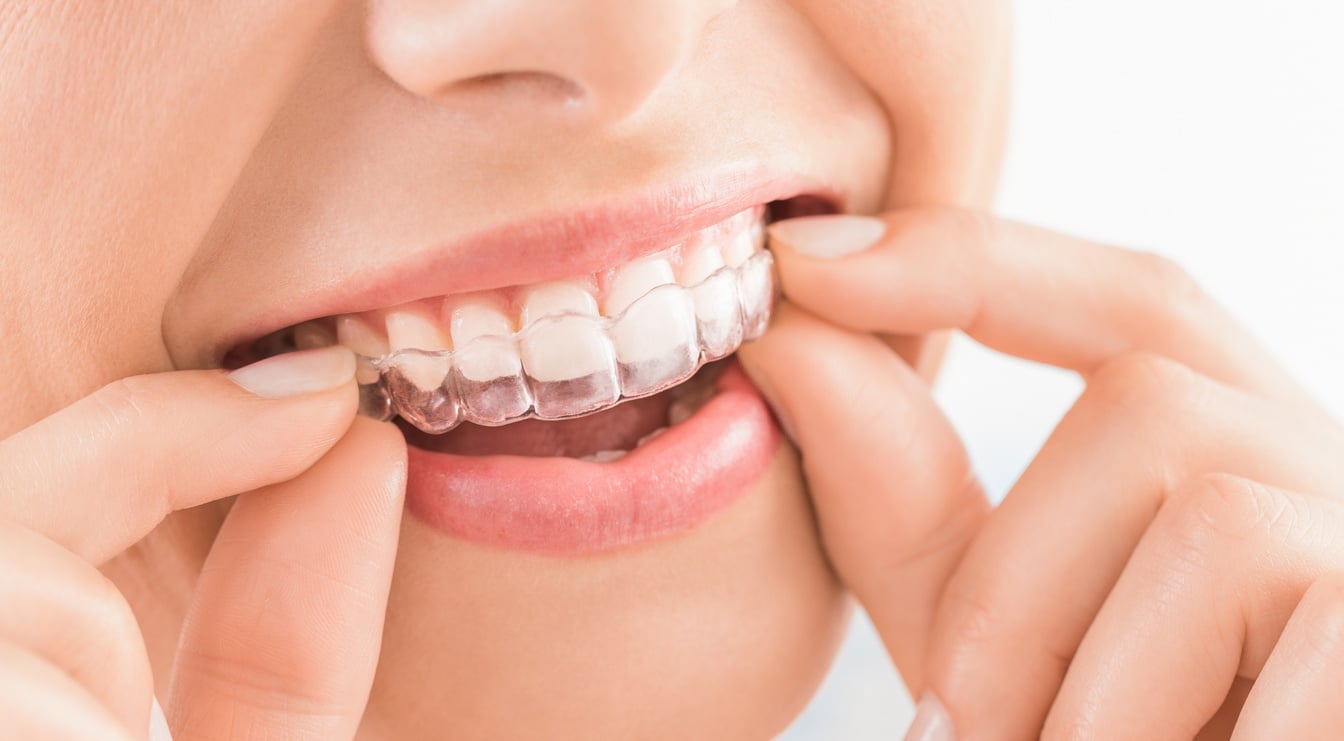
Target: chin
{"x": 722, "y": 632}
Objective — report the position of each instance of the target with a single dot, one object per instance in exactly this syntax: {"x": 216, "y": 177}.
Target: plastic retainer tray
{"x": 659, "y": 341}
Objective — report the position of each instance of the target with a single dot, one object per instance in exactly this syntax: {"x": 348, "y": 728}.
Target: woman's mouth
{"x": 564, "y": 349}
{"x": 580, "y": 415}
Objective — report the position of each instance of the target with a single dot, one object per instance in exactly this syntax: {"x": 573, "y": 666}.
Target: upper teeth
{"x": 560, "y": 349}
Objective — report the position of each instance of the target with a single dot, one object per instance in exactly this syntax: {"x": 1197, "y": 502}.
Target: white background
{"x": 1207, "y": 130}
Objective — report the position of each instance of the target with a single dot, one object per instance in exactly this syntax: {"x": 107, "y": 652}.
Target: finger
{"x": 60, "y": 608}
{"x": 148, "y": 445}
{"x": 1040, "y": 569}
{"x": 1019, "y": 289}
{"x": 895, "y": 497}
{"x": 1298, "y": 693}
{"x": 286, "y": 623}
{"x": 1204, "y": 600}
{"x": 39, "y": 701}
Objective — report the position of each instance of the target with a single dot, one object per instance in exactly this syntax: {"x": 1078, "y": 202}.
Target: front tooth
{"x": 477, "y": 317}
{"x": 566, "y": 348}
{"x": 550, "y": 299}
{"x": 656, "y": 341}
{"x": 569, "y": 360}
{"x": 756, "y": 288}
{"x": 742, "y": 247}
{"x": 413, "y": 329}
{"x": 361, "y": 337}
{"x": 634, "y": 280}
{"x": 472, "y": 320}
{"x": 718, "y": 314}
{"x": 487, "y": 367}
{"x": 701, "y": 263}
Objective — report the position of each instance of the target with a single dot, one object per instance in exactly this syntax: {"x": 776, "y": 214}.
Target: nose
{"x": 604, "y": 57}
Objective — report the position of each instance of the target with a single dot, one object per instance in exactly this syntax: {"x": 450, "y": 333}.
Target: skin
{"x": 186, "y": 167}
{"x": 1168, "y": 565}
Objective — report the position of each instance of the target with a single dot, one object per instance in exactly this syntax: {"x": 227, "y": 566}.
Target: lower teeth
{"x": 605, "y": 456}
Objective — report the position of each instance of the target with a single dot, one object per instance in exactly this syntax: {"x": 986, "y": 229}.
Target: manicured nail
{"x": 932, "y": 723}
{"x": 158, "y": 725}
{"x": 297, "y": 373}
{"x": 828, "y": 237}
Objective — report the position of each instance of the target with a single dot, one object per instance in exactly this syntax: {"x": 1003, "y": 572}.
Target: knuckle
{"x": 1172, "y": 308}
{"x": 1146, "y": 384}
{"x": 975, "y": 618}
{"x": 1219, "y": 511}
{"x": 979, "y": 232}
{"x": 126, "y": 401}
{"x": 1171, "y": 284}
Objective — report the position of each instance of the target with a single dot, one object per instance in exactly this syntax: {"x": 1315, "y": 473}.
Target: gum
{"x": 437, "y": 390}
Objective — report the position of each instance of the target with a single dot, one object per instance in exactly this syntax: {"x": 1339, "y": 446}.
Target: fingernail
{"x": 830, "y": 236}
{"x": 297, "y": 373}
{"x": 932, "y": 723}
{"x": 158, "y": 724}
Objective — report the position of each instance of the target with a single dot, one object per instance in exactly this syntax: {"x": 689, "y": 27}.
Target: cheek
{"x": 134, "y": 121}
{"x": 941, "y": 70}
{"x": 725, "y": 632}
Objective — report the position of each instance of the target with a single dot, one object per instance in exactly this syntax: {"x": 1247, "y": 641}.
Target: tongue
{"x": 619, "y": 428}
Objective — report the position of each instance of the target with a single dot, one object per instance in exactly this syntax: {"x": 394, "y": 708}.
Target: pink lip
{"x": 563, "y": 506}
{"x": 551, "y": 246}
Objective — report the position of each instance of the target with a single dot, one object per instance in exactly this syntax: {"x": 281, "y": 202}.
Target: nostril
{"x": 540, "y": 88}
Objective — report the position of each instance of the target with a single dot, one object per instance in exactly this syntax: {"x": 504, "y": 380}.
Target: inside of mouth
{"x": 604, "y": 436}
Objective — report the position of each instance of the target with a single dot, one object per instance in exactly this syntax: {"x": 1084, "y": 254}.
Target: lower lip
{"x": 564, "y": 506}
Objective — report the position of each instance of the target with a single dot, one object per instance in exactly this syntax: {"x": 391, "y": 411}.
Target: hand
{"x": 1170, "y": 561}
{"x": 283, "y": 632}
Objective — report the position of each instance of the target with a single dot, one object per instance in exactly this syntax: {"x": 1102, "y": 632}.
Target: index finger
{"x": 1019, "y": 289}
{"x": 896, "y": 500}
{"x": 98, "y": 475}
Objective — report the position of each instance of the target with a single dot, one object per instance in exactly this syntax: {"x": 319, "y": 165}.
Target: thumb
{"x": 284, "y": 630}
{"x": 100, "y": 474}
{"x": 890, "y": 481}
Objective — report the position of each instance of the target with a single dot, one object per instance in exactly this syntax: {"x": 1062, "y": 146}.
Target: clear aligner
{"x": 588, "y": 363}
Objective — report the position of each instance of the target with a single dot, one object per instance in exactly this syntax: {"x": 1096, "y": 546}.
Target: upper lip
{"x": 549, "y": 246}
